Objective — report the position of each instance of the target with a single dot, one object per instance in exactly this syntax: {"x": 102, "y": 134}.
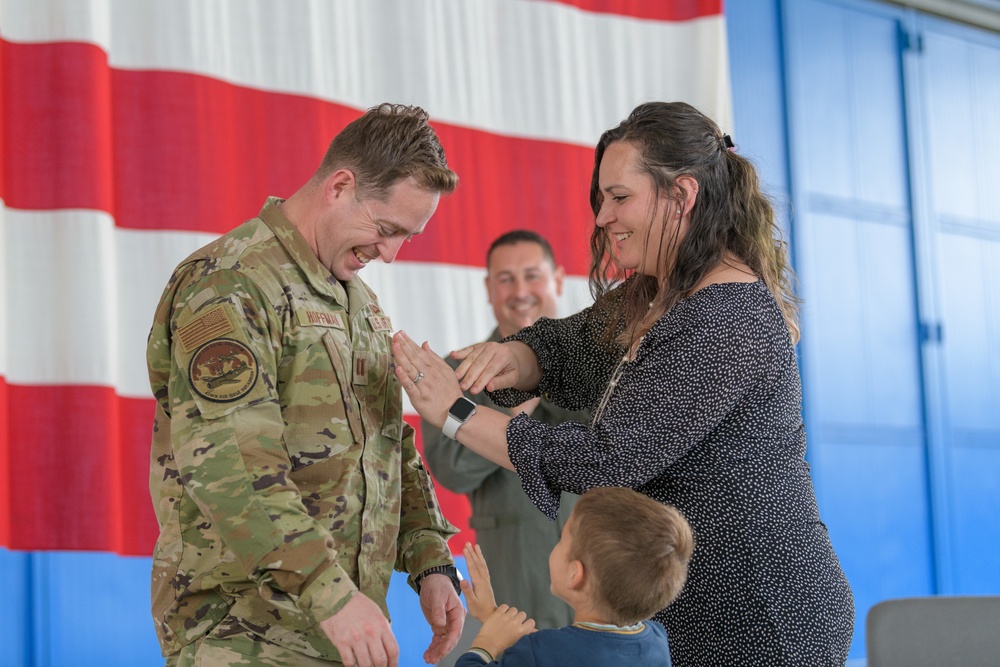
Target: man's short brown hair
{"x": 390, "y": 142}
{"x": 634, "y": 549}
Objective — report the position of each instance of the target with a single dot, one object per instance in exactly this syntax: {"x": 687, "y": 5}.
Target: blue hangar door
{"x": 893, "y": 123}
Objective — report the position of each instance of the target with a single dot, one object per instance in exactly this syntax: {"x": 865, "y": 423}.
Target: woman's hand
{"x": 479, "y": 591}
{"x": 427, "y": 379}
{"x": 495, "y": 366}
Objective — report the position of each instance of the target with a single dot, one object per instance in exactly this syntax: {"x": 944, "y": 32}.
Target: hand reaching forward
{"x": 502, "y": 629}
{"x": 479, "y": 591}
{"x": 495, "y": 366}
{"x": 427, "y": 379}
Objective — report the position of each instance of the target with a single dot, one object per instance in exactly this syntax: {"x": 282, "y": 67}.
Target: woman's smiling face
{"x": 632, "y": 213}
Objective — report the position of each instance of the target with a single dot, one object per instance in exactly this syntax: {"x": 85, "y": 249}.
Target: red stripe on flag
{"x": 5, "y": 463}
{"x": 74, "y": 471}
{"x": 169, "y": 150}
{"x": 659, "y": 10}
{"x": 455, "y": 506}
{"x": 78, "y": 470}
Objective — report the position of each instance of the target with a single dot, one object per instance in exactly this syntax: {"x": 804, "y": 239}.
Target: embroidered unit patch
{"x": 223, "y": 370}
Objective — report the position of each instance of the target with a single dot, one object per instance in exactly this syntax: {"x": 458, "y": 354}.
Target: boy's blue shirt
{"x": 581, "y": 647}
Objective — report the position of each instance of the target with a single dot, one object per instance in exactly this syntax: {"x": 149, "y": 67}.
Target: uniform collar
{"x": 295, "y": 244}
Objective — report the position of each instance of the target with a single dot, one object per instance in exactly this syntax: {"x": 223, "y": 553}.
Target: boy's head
{"x": 627, "y": 552}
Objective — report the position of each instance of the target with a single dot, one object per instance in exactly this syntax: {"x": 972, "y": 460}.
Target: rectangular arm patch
{"x": 211, "y": 324}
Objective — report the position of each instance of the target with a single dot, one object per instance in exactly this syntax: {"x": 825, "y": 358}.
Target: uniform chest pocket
{"x": 316, "y": 399}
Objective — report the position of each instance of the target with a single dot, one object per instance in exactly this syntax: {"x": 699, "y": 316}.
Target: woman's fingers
{"x": 482, "y": 365}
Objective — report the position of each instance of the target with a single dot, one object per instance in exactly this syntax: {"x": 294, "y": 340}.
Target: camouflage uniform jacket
{"x": 282, "y": 474}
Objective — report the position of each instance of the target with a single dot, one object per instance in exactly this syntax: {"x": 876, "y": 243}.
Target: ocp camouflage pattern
{"x": 283, "y": 476}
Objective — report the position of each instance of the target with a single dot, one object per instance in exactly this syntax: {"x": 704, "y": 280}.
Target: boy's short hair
{"x": 634, "y": 549}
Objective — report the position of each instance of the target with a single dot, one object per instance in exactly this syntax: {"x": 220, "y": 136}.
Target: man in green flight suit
{"x": 286, "y": 485}
{"x": 523, "y": 283}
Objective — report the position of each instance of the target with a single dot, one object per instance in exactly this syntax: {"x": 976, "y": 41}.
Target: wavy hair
{"x": 730, "y": 215}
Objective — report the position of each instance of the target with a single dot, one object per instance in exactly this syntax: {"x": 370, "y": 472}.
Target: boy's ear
{"x": 577, "y": 575}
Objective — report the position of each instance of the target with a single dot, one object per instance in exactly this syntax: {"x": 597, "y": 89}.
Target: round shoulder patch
{"x": 223, "y": 370}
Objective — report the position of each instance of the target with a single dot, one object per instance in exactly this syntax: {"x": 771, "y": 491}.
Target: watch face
{"x": 462, "y": 409}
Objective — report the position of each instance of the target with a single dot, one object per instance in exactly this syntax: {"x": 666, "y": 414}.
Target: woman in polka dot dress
{"x": 686, "y": 360}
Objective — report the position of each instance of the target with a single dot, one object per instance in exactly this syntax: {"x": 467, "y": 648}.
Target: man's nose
{"x": 389, "y": 248}
{"x": 521, "y": 288}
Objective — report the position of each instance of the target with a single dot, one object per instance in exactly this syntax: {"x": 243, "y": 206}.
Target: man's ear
{"x": 486, "y": 283}
{"x": 689, "y": 188}
{"x": 339, "y": 183}
{"x": 559, "y": 274}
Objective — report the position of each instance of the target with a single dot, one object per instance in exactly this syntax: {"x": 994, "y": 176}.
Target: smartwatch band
{"x": 450, "y": 427}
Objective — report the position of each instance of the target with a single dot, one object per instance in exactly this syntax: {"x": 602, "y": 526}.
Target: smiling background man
{"x": 523, "y": 283}
{"x": 286, "y": 485}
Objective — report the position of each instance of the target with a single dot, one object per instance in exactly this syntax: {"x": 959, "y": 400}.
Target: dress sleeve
{"x": 683, "y": 382}
{"x": 574, "y": 364}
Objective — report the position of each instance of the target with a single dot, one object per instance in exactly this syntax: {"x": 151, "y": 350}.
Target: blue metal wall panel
{"x": 860, "y": 347}
{"x": 95, "y": 610}
{"x": 954, "y": 81}
{"x": 15, "y": 608}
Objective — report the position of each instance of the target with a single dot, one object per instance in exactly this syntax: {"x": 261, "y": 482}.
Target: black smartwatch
{"x": 449, "y": 571}
{"x": 459, "y": 413}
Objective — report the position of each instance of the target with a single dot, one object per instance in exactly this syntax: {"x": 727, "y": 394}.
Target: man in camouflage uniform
{"x": 286, "y": 485}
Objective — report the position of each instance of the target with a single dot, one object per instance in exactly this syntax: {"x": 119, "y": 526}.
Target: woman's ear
{"x": 689, "y": 191}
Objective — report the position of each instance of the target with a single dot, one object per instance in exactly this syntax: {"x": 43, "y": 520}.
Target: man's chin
{"x": 345, "y": 274}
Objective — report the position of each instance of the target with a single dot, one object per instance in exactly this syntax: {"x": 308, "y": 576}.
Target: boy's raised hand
{"x": 502, "y": 629}
{"x": 478, "y": 592}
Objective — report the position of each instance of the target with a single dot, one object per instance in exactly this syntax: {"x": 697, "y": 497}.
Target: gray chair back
{"x": 939, "y": 631}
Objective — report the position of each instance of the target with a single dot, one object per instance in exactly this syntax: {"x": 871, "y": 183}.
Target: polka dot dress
{"x": 706, "y": 417}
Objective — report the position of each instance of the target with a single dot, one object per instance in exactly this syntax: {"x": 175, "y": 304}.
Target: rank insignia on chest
{"x": 360, "y": 369}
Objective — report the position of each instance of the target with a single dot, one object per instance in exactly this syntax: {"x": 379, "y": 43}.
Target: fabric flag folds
{"x": 134, "y": 131}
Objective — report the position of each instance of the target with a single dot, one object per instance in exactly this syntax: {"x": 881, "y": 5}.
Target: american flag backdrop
{"x": 135, "y": 131}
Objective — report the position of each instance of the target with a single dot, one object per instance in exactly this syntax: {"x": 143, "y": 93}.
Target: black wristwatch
{"x": 449, "y": 571}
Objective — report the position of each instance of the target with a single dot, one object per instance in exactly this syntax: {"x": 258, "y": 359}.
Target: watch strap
{"x": 449, "y": 571}
{"x": 450, "y": 427}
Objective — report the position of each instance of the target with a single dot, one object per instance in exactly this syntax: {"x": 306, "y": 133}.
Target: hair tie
{"x": 727, "y": 141}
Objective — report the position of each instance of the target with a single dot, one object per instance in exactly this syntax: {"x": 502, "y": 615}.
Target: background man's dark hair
{"x": 522, "y": 236}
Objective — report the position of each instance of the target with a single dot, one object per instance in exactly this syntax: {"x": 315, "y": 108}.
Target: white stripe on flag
{"x": 90, "y": 290}
{"x": 516, "y": 67}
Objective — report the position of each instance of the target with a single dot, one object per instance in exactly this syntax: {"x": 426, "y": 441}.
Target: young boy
{"x": 621, "y": 558}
